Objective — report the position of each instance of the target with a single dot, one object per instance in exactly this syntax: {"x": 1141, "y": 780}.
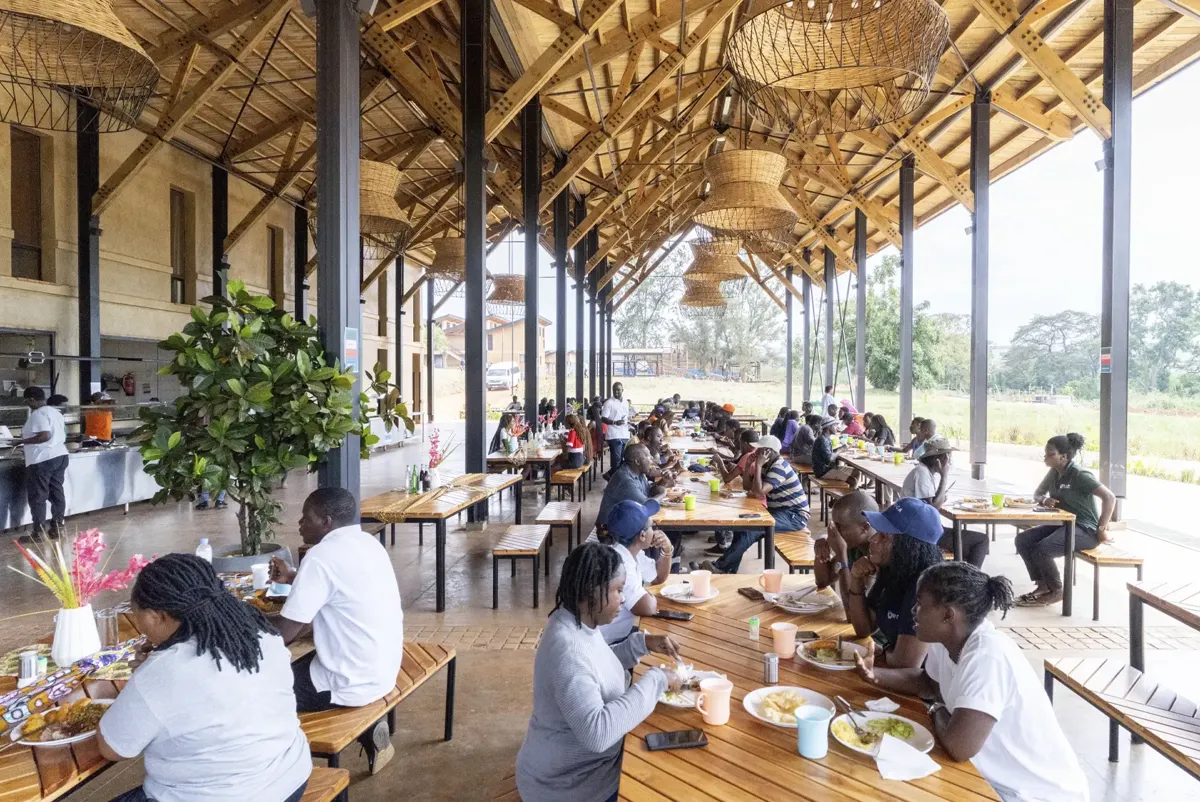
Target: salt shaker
{"x": 770, "y": 669}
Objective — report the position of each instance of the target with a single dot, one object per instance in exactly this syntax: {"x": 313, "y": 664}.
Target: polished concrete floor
{"x": 495, "y": 647}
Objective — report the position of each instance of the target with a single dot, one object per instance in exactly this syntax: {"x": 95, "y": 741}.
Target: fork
{"x": 862, "y": 733}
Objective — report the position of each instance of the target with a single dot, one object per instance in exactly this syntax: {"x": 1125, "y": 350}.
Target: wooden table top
{"x": 747, "y": 759}
{"x": 464, "y": 491}
{"x": 1180, "y": 600}
{"x": 691, "y": 445}
{"x": 496, "y": 458}
{"x": 713, "y": 511}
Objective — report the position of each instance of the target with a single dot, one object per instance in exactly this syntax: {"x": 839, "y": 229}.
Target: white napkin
{"x": 897, "y": 760}
{"x": 884, "y": 705}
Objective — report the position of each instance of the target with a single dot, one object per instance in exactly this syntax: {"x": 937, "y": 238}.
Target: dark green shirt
{"x": 1074, "y": 491}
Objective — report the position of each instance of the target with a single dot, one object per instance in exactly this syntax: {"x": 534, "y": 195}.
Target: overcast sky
{"x": 1046, "y": 224}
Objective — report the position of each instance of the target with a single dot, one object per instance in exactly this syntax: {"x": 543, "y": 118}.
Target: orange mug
{"x": 715, "y": 691}
{"x": 771, "y": 580}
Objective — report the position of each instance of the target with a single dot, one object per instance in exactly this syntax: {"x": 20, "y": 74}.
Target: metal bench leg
{"x": 495, "y": 580}
{"x": 450, "y": 699}
{"x": 536, "y": 559}
{"x": 1114, "y": 741}
{"x": 420, "y": 534}
{"x": 391, "y": 718}
{"x": 513, "y": 563}
{"x": 1049, "y": 680}
{"x": 760, "y": 549}
{"x": 1139, "y": 572}
{"x": 547, "y": 556}
{"x": 393, "y": 534}
{"x": 333, "y": 761}
{"x": 1096, "y": 592}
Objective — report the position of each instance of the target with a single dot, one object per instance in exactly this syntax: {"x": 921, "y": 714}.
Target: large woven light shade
{"x": 381, "y": 224}
{"x": 836, "y": 65}
{"x": 53, "y": 52}
{"x": 507, "y": 297}
{"x": 715, "y": 259}
{"x": 448, "y": 270}
{"x": 745, "y": 192}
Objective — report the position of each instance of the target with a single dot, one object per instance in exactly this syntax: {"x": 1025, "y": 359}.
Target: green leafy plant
{"x": 261, "y": 398}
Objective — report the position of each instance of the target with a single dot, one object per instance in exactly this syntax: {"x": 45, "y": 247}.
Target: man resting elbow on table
{"x": 346, "y": 588}
{"x": 646, "y": 556}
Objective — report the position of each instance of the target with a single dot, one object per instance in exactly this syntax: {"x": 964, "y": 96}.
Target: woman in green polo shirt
{"x": 1071, "y": 488}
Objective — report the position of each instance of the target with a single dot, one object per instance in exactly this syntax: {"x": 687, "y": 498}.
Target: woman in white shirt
{"x": 211, "y": 708}
{"x": 631, "y": 535}
{"x": 990, "y": 706}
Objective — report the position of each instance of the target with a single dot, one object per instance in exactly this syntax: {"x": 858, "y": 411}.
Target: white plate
{"x": 797, "y": 601}
{"x": 1017, "y": 505}
{"x": 680, "y": 592}
{"x": 753, "y": 702}
{"x": 19, "y": 730}
{"x": 921, "y": 740}
{"x": 687, "y": 699}
{"x": 848, "y": 651}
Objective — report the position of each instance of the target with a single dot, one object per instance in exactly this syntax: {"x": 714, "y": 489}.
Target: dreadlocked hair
{"x": 186, "y": 588}
{"x": 962, "y": 585}
{"x": 585, "y": 577}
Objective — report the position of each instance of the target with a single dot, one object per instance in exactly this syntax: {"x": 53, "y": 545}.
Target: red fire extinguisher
{"x": 129, "y": 384}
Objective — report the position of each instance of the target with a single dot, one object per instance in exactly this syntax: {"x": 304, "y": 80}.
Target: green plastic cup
{"x": 689, "y": 502}
{"x": 997, "y": 499}
{"x": 898, "y": 458}
{"x": 714, "y": 485}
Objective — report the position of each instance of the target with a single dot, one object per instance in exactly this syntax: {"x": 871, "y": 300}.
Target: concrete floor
{"x": 495, "y": 647}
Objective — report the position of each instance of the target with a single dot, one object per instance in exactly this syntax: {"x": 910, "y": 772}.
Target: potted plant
{"x": 261, "y": 398}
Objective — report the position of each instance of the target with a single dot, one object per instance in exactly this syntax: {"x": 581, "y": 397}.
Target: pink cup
{"x": 771, "y": 580}
{"x": 785, "y": 639}
{"x": 713, "y": 700}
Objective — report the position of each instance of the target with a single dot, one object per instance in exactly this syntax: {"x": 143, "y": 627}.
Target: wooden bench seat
{"x": 331, "y": 731}
{"x": 796, "y": 549}
{"x": 520, "y": 542}
{"x": 1105, "y": 555}
{"x": 827, "y": 491}
{"x": 566, "y": 514}
{"x": 1168, "y": 722}
{"x": 570, "y": 479}
{"x": 507, "y": 791}
{"x": 326, "y": 785}
{"x": 377, "y": 529}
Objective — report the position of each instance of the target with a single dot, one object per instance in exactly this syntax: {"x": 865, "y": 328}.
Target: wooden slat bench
{"x": 566, "y": 514}
{"x": 520, "y": 542}
{"x": 377, "y": 529}
{"x": 507, "y": 791}
{"x": 796, "y": 549}
{"x": 1167, "y": 722}
{"x": 1105, "y": 555}
{"x": 804, "y": 471}
{"x": 326, "y": 785}
{"x": 331, "y": 731}
{"x": 570, "y": 479}
{"x": 827, "y": 491}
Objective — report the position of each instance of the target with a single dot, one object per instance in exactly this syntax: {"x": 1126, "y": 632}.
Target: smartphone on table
{"x": 674, "y": 615}
{"x": 683, "y": 739}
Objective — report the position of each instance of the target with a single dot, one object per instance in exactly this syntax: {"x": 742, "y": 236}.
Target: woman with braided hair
{"x": 211, "y": 707}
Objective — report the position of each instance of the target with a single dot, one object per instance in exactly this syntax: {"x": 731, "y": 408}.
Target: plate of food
{"x": 824, "y": 654}
{"x": 804, "y": 601}
{"x": 1020, "y": 503}
{"x": 682, "y": 592}
{"x": 267, "y": 605}
{"x": 975, "y": 500}
{"x": 877, "y": 725}
{"x": 777, "y": 704}
{"x": 975, "y": 506}
{"x": 66, "y": 724}
{"x": 685, "y": 697}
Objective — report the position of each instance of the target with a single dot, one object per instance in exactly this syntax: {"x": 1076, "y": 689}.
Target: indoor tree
{"x": 260, "y": 398}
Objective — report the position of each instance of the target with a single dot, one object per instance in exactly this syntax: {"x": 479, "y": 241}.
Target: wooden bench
{"x": 326, "y": 785}
{"x": 377, "y": 529}
{"x": 520, "y": 542}
{"x": 570, "y": 479}
{"x": 804, "y": 470}
{"x": 507, "y": 791}
{"x": 331, "y": 731}
{"x": 566, "y": 514}
{"x": 1167, "y": 722}
{"x": 1105, "y": 555}
{"x": 796, "y": 549}
{"x": 827, "y": 491}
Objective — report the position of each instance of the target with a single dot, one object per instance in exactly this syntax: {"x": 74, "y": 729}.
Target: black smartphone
{"x": 683, "y": 739}
{"x": 674, "y": 615}
{"x": 807, "y": 634}
{"x": 753, "y": 594}
{"x": 748, "y": 515}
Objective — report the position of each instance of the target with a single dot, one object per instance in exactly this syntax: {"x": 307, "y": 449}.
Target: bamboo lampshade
{"x": 715, "y": 259}
{"x": 836, "y": 65}
{"x": 55, "y": 53}
{"x": 449, "y": 259}
{"x": 507, "y": 296}
{"x": 701, "y": 299}
{"x": 382, "y": 227}
{"x": 745, "y": 192}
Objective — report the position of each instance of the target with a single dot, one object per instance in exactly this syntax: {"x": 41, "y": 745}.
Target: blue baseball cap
{"x": 908, "y": 516}
{"x": 628, "y": 519}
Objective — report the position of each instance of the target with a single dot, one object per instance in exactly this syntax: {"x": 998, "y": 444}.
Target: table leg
{"x": 520, "y": 483}
{"x": 439, "y": 529}
{"x": 769, "y": 547}
{"x": 548, "y": 475}
{"x": 958, "y": 530}
{"x": 879, "y": 494}
{"x": 1137, "y": 640}
{"x": 1069, "y": 570}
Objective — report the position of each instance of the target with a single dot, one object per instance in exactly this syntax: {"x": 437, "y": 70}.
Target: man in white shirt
{"x": 630, "y": 534}
{"x": 828, "y": 401}
{"x": 45, "y": 441}
{"x": 346, "y": 588}
{"x": 615, "y": 415}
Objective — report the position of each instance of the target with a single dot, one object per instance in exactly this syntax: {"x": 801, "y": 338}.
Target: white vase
{"x": 75, "y": 635}
{"x": 435, "y": 478}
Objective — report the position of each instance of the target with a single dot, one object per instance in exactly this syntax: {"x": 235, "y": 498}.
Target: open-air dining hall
{"x": 249, "y": 533}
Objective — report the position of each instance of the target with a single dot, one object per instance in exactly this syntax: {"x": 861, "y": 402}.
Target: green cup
{"x": 997, "y": 499}
{"x": 703, "y": 461}
{"x": 689, "y": 502}
{"x": 714, "y": 485}
{"x": 898, "y": 458}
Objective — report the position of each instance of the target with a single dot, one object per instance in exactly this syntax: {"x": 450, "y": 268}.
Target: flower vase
{"x": 435, "y": 478}
{"x": 75, "y": 635}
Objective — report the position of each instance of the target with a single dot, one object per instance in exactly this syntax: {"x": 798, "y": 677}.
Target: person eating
{"x": 847, "y": 540}
{"x": 346, "y": 589}
{"x": 805, "y": 439}
{"x": 631, "y": 481}
{"x": 1070, "y": 488}
{"x": 211, "y": 706}
{"x": 503, "y": 440}
{"x": 790, "y": 428}
{"x": 882, "y": 433}
{"x": 824, "y": 459}
{"x": 850, "y": 424}
{"x": 646, "y": 556}
{"x": 914, "y": 429}
{"x": 577, "y": 444}
{"x": 780, "y": 423}
{"x": 926, "y": 432}
{"x": 583, "y": 702}
{"x": 927, "y": 481}
{"x": 990, "y": 708}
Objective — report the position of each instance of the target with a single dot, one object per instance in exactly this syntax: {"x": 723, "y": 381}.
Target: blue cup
{"x": 812, "y": 731}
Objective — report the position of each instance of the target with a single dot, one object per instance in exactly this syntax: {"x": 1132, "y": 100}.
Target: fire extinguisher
{"x": 129, "y": 384}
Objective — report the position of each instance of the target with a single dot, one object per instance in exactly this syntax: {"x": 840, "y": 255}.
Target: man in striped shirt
{"x": 768, "y": 476}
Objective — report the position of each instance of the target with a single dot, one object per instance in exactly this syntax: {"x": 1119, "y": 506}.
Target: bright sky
{"x": 1046, "y": 222}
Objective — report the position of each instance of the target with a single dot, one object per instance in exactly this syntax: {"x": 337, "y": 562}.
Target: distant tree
{"x": 883, "y": 333}
{"x": 645, "y": 318}
{"x": 1164, "y": 321}
{"x": 1051, "y": 351}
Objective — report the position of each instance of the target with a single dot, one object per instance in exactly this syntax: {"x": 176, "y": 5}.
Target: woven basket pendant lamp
{"x": 745, "y": 192}
{"x": 382, "y": 226}
{"x": 701, "y": 298}
{"x": 836, "y": 65}
{"x": 715, "y": 260}
{"x": 52, "y": 51}
{"x": 507, "y": 297}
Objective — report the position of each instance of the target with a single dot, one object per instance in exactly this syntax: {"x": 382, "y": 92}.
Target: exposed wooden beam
{"x": 548, "y": 11}
{"x": 293, "y": 165}
{"x": 204, "y": 30}
{"x": 1028, "y": 111}
{"x": 563, "y": 110}
{"x": 401, "y": 13}
{"x": 752, "y": 273}
{"x": 938, "y": 169}
{"x": 799, "y": 202}
{"x": 182, "y": 71}
{"x": 411, "y": 291}
{"x": 437, "y": 207}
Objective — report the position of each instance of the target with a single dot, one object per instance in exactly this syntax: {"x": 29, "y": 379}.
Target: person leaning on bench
{"x": 346, "y": 588}
{"x": 211, "y": 705}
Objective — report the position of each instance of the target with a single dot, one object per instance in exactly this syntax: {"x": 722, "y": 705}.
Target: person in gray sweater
{"x": 583, "y": 704}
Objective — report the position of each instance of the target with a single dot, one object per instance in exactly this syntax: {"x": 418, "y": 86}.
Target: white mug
{"x": 261, "y": 575}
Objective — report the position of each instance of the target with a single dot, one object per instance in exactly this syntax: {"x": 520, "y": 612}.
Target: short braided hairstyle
{"x": 585, "y": 576}
{"x": 186, "y": 588}
{"x": 964, "y": 586}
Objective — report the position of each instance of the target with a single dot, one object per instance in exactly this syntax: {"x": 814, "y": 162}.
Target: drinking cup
{"x": 812, "y": 731}
{"x": 701, "y": 582}
{"x": 998, "y": 500}
{"x": 260, "y": 573}
{"x": 108, "y": 625}
{"x": 898, "y": 458}
{"x": 713, "y": 700}
{"x": 689, "y": 502}
{"x": 714, "y": 485}
{"x": 771, "y": 580}
{"x": 785, "y": 640}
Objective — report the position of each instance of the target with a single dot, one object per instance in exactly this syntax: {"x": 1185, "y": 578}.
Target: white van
{"x": 503, "y": 376}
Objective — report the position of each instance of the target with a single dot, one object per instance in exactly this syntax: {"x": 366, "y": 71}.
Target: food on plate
{"x": 848, "y": 735}
{"x": 268, "y": 605}
{"x": 1020, "y": 501}
{"x": 896, "y": 727}
{"x": 823, "y": 651}
{"x": 673, "y": 698}
{"x": 780, "y": 706}
{"x": 64, "y": 721}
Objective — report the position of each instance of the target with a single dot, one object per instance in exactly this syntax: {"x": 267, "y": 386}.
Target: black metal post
{"x": 602, "y": 336}
{"x": 830, "y": 287}
{"x": 787, "y": 360}
{"x": 531, "y": 187}
{"x": 300, "y": 261}
{"x": 608, "y": 335}
{"x": 581, "y": 248}
{"x": 860, "y": 308}
{"x": 87, "y": 183}
{"x": 806, "y": 373}
{"x": 431, "y": 310}
{"x": 593, "y": 246}
{"x": 981, "y": 138}
{"x": 399, "y": 304}
{"x": 220, "y": 230}
{"x": 1114, "y": 296}
{"x": 474, "y": 35}
{"x": 907, "y": 179}
{"x": 562, "y": 229}
{"x": 338, "y": 249}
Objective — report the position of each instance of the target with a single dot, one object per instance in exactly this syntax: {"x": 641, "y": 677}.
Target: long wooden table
{"x": 1179, "y": 600}
{"x": 716, "y": 512}
{"x": 747, "y": 759}
{"x": 524, "y": 464}
{"x": 465, "y": 493}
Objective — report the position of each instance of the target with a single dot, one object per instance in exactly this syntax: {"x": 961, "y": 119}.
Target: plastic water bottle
{"x": 204, "y": 551}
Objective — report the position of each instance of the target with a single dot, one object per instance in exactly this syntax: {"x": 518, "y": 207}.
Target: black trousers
{"x": 975, "y": 545}
{"x": 310, "y": 700}
{"x": 139, "y": 795}
{"x": 44, "y": 481}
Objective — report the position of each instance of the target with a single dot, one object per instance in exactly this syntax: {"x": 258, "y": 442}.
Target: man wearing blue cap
{"x": 904, "y": 544}
{"x": 631, "y": 535}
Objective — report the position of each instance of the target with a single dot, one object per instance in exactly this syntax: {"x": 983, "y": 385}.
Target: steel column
{"x": 806, "y": 373}
{"x": 830, "y": 287}
{"x": 981, "y": 137}
{"x": 531, "y": 188}
{"x": 602, "y": 338}
{"x": 473, "y": 39}
{"x": 580, "y": 265}
{"x": 431, "y": 300}
{"x": 399, "y": 304}
{"x": 593, "y": 246}
{"x": 1114, "y": 296}
{"x": 338, "y": 308}
{"x": 860, "y": 308}
{"x": 907, "y": 179}
{"x": 87, "y": 183}
{"x": 300, "y": 261}
{"x": 787, "y": 361}
{"x": 562, "y": 229}
{"x": 220, "y": 229}
{"x": 608, "y": 334}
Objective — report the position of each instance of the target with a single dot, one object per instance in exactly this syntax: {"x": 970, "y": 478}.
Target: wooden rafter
{"x": 293, "y": 166}
{"x": 204, "y": 30}
{"x": 398, "y": 14}
{"x": 753, "y": 273}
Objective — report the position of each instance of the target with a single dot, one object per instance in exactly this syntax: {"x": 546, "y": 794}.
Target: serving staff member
{"x": 45, "y": 441}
